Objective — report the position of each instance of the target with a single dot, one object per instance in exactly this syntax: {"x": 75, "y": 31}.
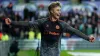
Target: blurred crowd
{"x": 85, "y": 21}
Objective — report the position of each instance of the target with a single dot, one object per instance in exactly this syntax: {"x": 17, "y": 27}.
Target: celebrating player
{"x": 51, "y": 29}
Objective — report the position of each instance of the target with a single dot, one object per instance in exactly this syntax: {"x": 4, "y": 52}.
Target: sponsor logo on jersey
{"x": 52, "y": 33}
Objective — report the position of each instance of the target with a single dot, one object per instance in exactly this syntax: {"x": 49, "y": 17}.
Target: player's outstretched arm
{"x": 20, "y": 23}
{"x": 79, "y": 33}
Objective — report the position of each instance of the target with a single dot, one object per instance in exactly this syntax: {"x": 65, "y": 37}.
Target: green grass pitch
{"x": 63, "y": 53}
{"x": 32, "y": 53}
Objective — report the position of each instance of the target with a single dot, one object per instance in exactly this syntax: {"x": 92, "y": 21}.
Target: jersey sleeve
{"x": 27, "y": 23}
{"x": 35, "y": 24}
{"x": 75, "y": 31}
{"x": 24, "y": 23}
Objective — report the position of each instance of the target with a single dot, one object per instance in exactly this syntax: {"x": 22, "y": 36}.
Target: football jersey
{"x": 51, "y": 33}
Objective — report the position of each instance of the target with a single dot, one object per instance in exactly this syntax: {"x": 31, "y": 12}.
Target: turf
{"x": 94, "y": 51}
{"x": 63, "y": 53}
{"x": 32, "y": 53}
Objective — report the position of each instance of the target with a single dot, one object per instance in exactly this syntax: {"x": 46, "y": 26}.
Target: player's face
{"x": 56, "y": 12}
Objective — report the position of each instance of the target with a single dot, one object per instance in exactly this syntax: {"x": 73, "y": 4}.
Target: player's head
{"x": 55, "y": 9}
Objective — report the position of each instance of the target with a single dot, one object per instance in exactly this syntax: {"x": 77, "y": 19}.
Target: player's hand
{"x": 8, "y": 21}
{"x": 91, "y": 39}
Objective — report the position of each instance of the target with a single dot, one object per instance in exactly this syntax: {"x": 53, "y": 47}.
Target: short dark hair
{"x": 53, "y": 5}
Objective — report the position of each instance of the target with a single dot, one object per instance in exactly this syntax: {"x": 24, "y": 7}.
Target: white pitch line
{"x": 84, "y": 53}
